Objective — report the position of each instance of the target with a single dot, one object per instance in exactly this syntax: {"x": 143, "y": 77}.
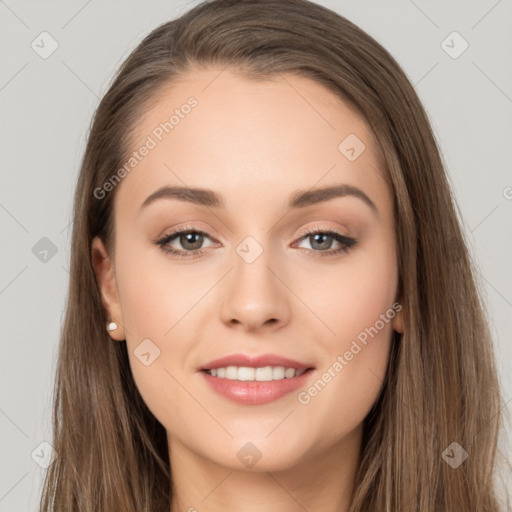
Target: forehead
{"x": 217, "y": 129}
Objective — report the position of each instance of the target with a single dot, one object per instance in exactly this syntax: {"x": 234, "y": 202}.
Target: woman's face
{"x": 248, "y": 281}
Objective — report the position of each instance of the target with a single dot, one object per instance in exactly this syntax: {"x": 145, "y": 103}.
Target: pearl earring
{"x": 111, "y": 326}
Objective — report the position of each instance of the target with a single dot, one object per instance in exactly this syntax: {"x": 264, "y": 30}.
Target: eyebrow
{"x": 299, "y": 199}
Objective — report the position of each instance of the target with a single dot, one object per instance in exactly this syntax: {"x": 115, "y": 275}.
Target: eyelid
{"x": 320, "y": 229}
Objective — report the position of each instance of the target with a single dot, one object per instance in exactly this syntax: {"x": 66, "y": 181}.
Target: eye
{"x": 190, "y": 240}
{"x": 321, "y": 242}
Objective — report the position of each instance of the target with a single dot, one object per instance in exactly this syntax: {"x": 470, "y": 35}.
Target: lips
{"x": 222, "y": 377}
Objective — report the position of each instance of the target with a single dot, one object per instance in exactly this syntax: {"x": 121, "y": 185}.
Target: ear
{"x": 398, "y": 319}
{"x": 105, "y": 277}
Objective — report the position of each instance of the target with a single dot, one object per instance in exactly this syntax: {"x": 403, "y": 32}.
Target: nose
{"x": 254, "y": 297}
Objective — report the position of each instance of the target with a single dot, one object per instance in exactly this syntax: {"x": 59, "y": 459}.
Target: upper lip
{"x": 254, "y": 362}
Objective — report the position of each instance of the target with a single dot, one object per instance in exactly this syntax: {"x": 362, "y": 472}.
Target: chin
{"x": 258, "y": 455}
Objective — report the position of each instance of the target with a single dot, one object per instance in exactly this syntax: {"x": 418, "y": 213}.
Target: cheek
{"x": 357, "y": 307}
{"x": 350, "y": 295}
{"x": 156, "y": 294}
{"x": 156, "y": 302}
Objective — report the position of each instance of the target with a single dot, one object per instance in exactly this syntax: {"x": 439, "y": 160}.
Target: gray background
{"x": 47, "y": 105}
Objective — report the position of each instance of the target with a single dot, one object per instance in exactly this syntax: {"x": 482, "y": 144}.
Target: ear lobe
{"x": 398, "y": 323}
{"x": 105, "y": 278}
{"x": 398, "y": 320}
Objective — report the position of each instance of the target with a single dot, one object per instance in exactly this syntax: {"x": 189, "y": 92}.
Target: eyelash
{"x": 347, "y": 243}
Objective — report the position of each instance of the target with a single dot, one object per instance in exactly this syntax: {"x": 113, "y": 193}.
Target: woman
{"x": 271, "y": 303}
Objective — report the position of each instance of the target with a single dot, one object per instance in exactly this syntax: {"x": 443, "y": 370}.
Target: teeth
{"x": 277, "y": 373}
{"x": 289, "y": 373}
{"x": 232, "y": 373}
{"x": 264, "y": 374}
{"x": 244, "y": 373}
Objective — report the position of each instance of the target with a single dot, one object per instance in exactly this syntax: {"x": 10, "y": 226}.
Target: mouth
{"x": 255, "y": 380}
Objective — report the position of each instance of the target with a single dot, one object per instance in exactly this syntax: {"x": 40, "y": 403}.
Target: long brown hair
{"x": 441, "y": 386}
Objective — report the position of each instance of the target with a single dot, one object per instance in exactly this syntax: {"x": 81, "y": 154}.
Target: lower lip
{"x": 255, "y": 392}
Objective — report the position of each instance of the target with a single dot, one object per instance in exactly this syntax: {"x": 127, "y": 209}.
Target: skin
{"x": 255, "y": 143}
